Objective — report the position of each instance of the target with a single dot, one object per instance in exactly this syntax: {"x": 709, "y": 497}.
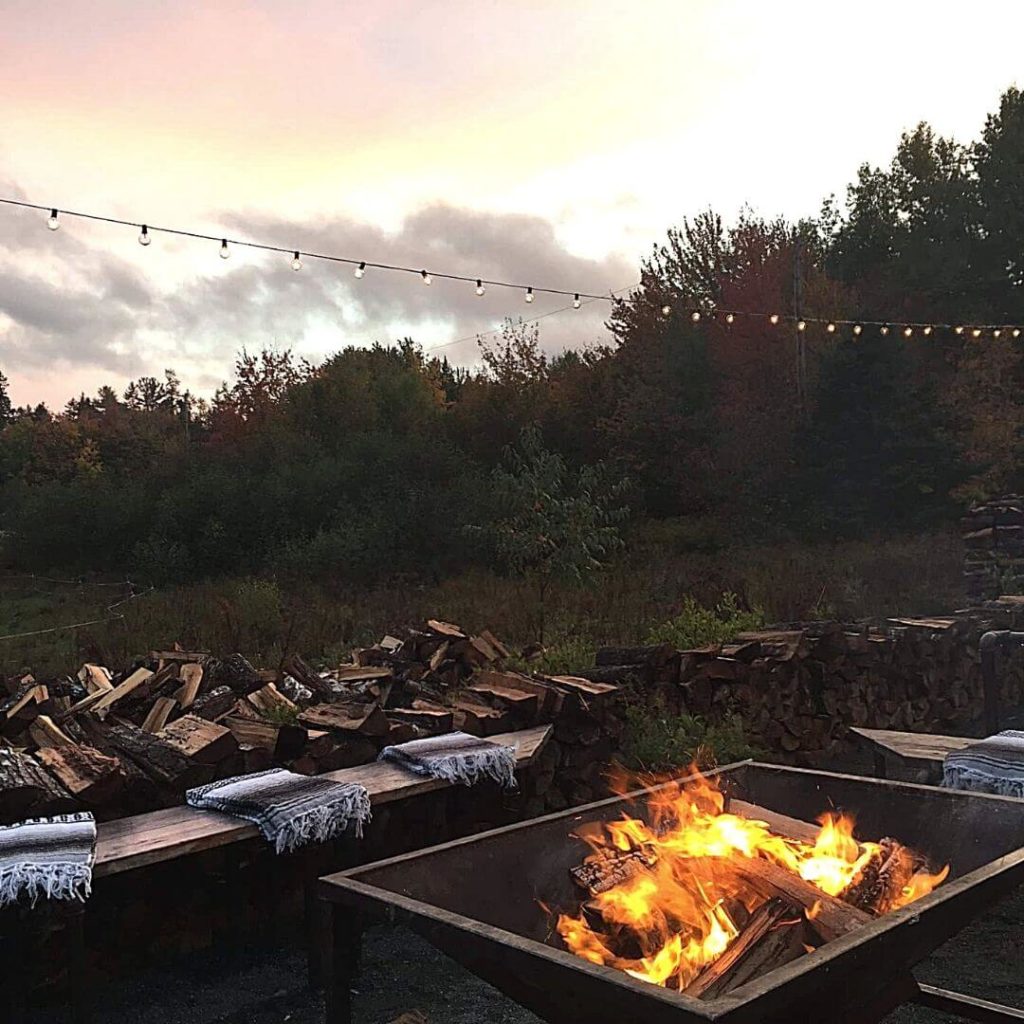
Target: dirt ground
{"x": 400, "y": 973}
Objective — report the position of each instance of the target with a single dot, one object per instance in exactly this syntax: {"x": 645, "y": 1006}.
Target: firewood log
{"x": 88, "y": 775}
{"x": 368, "y": 719}
{"x": 27, "y": 789}
{"x": 162, "y": 762}
{"x": 214, "y": 704}
{"x": 199, "y": 740}
{"x": 283, "y": 741}
{"x": 158, "y": 714}
{"x": 298, "y": 669}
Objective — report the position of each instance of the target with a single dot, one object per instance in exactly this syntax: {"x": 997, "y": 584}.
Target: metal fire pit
{"x": 477, "y": 899}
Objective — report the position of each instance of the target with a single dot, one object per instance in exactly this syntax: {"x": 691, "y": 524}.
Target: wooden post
{"x": 78, "y": 986}
{"x": 347, "y": 927}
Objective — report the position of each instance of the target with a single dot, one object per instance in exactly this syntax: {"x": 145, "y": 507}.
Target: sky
{"x": 549, "y": 142}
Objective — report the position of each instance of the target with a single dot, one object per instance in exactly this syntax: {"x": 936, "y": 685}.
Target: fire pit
{"x": 503, "y": 904}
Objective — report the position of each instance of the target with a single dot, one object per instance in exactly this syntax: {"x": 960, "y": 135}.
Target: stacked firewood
{"x": 993, "y": 535}
{"x": 797, "y": 688}
{"x": 122, "y": 743}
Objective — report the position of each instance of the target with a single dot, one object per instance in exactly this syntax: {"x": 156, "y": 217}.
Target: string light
{"x": 695, "y": 316}
{"x": 801, "y": 325}
{"x": 480, "y": 289}
{"x": 996, "y": 333}
{"x": 928, "y": 329}
{"x": 883, "y": 330}
{"x": 857, "y": 328}
{"x": 296, "y": 261}
{"x": 774, "y": 318}
{"x": 1016, "y": 332}
{"x": 958, "y": 329}
{"x": 908, "y": 331}
{"x": 144, "y": 238}
{"x": 426, "y": 277}
{"x": 53, "y": 223}
{"x": 976, "y": 333}
{"x": 666, "y": 310}
{"x": 831, "y": 328}
{"x": 224, "y": 251}
{"x": 529, "y": 295}
{"x": 729, "y": 318}
{"x": 361, "y": 269}
{"x": 576, "y": 301}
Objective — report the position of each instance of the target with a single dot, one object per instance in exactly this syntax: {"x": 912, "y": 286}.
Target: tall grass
{"x": 653, "y": 584}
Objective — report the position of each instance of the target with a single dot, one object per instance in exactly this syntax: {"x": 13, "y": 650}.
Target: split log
{"x": 499, "y": 648}
{"x": 781, "y": 824}
{"x": 191, "y": 675}
{"x": 26, "y": 789}
{"x": 213, "y": 705}
{"x": 479, "y": 719}
{"x": 883, "y": 878}
{"x": 158, "y": 714}
{"x": 400, "y": 732}
{"x": 121, "y": 691}
{"x": 237, "y": 672}
{"x": 431, "y": 718}
{"x": 360, "y": 673}
{"x": 284, "y": 742}
{"x": 299, "y": 670}
{"x": 34, "y": 701}
{"x": 368, "y": 719}
{"x": 270, "y": 699}
{"x": 605, "y": 869}
{"x": 772, "y": 936}
{"x": 95, "y": 677}
{"x": 45, "y": 733}
{"x": 158, "y": 759}
{"x": 518, "y": 701}
{"x": 201, "y": 657}
{"x": 446, "y": 629}
{"x": 199, "y": 739}
{"x": 88, "y": 775}
{"x": 586, "y": 689}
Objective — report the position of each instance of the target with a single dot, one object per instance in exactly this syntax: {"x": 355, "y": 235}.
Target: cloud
{"x": 84, "y": 306}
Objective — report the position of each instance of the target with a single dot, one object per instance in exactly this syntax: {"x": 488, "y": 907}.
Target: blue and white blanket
{"x": 992, "y": 765}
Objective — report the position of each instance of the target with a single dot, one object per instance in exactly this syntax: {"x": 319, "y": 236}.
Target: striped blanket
{"x": 456, "y": 757}
{"x": 290, "y": 810}
{"x": 992, "y": 765}
{"x": 49, "y": 857}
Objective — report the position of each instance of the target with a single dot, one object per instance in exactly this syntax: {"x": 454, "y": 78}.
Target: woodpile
{"x": 121, "y": 743}
{"x": 797, "y": 688}
{"x": 993, "y": 535}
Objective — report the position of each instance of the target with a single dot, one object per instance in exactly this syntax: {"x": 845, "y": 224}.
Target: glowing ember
{"x": 668, "y": 898}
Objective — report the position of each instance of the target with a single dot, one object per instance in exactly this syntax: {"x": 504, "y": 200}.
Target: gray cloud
{"x": 98, "y": 306}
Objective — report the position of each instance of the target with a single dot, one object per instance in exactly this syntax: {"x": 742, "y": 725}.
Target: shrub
{"x": 696, "y": 625}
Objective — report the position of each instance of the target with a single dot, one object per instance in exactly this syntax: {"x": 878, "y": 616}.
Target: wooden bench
{"x": 160, "y": 836}
{"x": 918, "y": 750}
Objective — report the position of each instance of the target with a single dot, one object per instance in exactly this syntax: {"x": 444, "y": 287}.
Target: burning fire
{"x": 672, "y": 896}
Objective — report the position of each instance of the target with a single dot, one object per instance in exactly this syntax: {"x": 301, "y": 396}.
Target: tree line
{"x": 388, "y": 462}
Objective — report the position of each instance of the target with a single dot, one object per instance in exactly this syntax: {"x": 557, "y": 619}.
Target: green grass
{"x": 650, "y": 593}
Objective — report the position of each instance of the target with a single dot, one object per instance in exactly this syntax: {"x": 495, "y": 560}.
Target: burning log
{"x": 606, "y": 869}
{"x": 773, "y": 936}
{"x": 883, "y": 878}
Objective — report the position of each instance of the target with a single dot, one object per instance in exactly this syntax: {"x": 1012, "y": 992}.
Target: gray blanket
{"x": 456, "y": 757}
{"x": 992, "y": 765}
{"x": 49, "y": 857}
{"x": 290, "y": 810}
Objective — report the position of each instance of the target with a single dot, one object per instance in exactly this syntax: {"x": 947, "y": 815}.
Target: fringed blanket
{"x": 290, "y": 810}
{"x": 456, "y": 757}
{"x": 49, "y": 857}
{"x": 992, "y": 765}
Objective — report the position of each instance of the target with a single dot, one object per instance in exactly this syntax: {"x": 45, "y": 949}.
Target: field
{"x": 264, "y": 618}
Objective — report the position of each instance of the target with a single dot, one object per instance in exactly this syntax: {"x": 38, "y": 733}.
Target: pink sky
{"x": 552, "y": 141}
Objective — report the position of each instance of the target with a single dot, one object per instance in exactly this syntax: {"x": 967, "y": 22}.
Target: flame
{"x": 682, "y": 905}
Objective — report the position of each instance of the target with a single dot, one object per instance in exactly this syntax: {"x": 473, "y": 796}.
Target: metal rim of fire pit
{"x": 888, "y": 928}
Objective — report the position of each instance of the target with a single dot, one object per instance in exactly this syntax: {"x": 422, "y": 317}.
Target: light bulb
{"x": 996, "y": 332}
{"x": 296, "y": 261}
{"x": 801, "y": 325}
{"x": 576, "y": 301}
{"x": 1016, "y": 332}
{"x": 480, "y": 289}
{"x": 908, "y": 331}
{"x": 360, "y": 270}
{"x": 883, "y": 330}
{"x": 53, "y": 223}
{"x": 928, "y": 329}
{"x": 959, "y": 330}
{"x": 425, "y": 276}
{"x": 857, "y": 329}
{"x": 666, "y": 310}
{"x": 224, "y": 251}
{"x": 695, "y": 315}
{"x": 729, "y": 318}
{"x": 774, "y": 318}
{"x": 144, "y": 238}
{"x": 529, "y": 295}
{"x": 831, "y": 328}
{"x": 976, "y": 333}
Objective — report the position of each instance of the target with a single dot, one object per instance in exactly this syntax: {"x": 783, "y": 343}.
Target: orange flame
{"x": 676, "y": 912}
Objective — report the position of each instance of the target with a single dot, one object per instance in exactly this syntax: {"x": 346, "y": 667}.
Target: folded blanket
{"x": 992, "y": 765}
{"x": 456, "y": 757}
{"x": 49, "y": 857}
{"x": 290, "y": 810}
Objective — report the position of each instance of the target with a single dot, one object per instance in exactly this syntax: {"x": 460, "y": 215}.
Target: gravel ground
{"x": 267, "y": 985}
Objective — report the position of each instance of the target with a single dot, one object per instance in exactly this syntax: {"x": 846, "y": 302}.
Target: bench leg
{"x": 78, "y": 989}
{"x": 343, "y": 962}
{"x": 15, "y": 959}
